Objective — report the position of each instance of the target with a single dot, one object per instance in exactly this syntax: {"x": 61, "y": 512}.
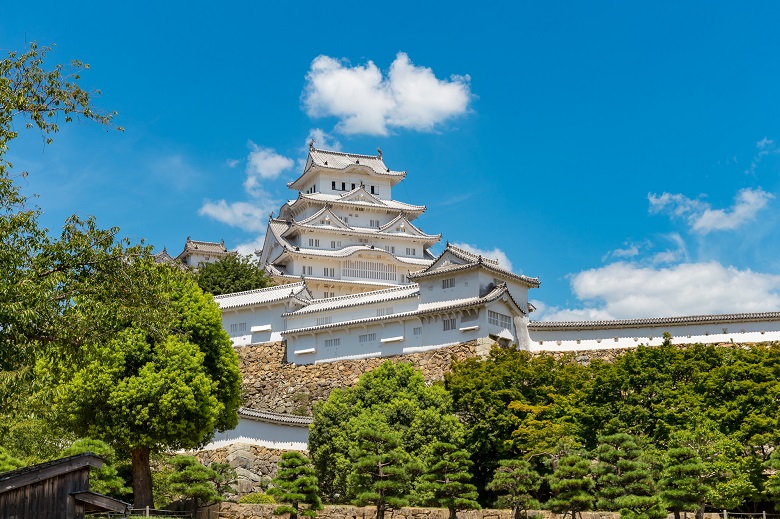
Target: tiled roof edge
{"x": 655, "y": 321}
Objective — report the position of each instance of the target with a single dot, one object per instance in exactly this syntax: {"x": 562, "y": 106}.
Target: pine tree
{"x": 515, "y": 480}
{"x": 624, "y": 481}
{"x": 445, "y": 482}
{"x": 680, "y": 484}
{"x": 296, "y": 484}
{"x": 572, "y": 486}
{"x": 381, "y": 469}
{"x": 193, "y": 480}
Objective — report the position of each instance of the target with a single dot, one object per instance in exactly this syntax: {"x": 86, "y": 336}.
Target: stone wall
{"x": 255, "y": 465}
{"x": 272, "y": 384}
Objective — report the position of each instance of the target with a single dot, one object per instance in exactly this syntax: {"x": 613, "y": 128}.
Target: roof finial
{"x": 311, "y": 145}
{"x": 379, "y": 153}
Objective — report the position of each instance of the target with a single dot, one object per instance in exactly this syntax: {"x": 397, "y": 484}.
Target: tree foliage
{"x": 515, "y": 483}
{"x": 105, "y": 479}
{"x": 295, "y": 485}
{"x": 395, "y": 396}
{"x": 382, "y": 471}
{"x": 231, "y": 274}
{"x": 169, "y": 386}
{"x": 571, "y": 486}
{"x": 445, "y": 481}
{"x": 192, "y": 480}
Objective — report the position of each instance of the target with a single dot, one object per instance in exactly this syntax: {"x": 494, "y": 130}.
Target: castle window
{"x": 343, "y": 186}
{"x": 384, "y": 311}
{"x": 329, "y": 272}
{"x": 333, "y": 185}
{"x": 450, "y": 324}
{"x": 374, "y": 223}
{"x": 497, "y": 319}
{"x": 324, "y": 320}
{"x": 335, "y": 244}
{"x": 390, "y": 248}
{"x": 306, "y": 271}
{"x": 372, "y": 190}
{"x": 313, "y": 242}
{"x": 332, "y": 342}
{"x": 367, "y": 337}
{"x": 417, "y": 330}
{"x": 353, "y": 186}
{"x": 411, "y": 251}
{"x": 327, "y": 294}
{"x": 448, "y": 283}
{"x": 237, "y": 328}
{"x": 368, "y": 270}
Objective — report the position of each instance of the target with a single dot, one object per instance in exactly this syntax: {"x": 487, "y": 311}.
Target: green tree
{"x": 395, "y": 395}
{"x": 624, "y": 481}
{"x": 193, "y": 480}
{"x": 9, "y": 462}
{"x": 680, "y": 483}
{"x": 515, "y": 482}
{"x": 152, "y": 388}
{"x": 445, "y": 481}
{"x": 295, "y": 484}
{"x": 572, "y": 486}
{"x": 772, "y": 484}
{"x": 231, "y": 274}
{"x": 382, "y": 470}
{"x": 105, "y": 479}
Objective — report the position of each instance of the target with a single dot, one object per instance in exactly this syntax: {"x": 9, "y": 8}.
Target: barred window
{"x": 324, "y": 320}
{"x": 332, "y": 342}
{"x": 384, "y": 311}
{"x": 497, "y": 319}
{"x": 448, "y": 283}
{"x": 367, "y": 337}
{"x": 417, "y": 330}
{"x": 368, "y": 270}
{"x": 450, "y": 324}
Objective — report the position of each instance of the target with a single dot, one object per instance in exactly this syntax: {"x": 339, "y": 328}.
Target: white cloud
{"x": 232, "y": 163}
{"x": 244, "y": 215}
{"x": 765, "y": 147}
{"x": 263, "y": 164}
{"x": 702, "y": 218}
{"x": 323, "y": 140}
{"x": 252, "y": 215}
{"x": 249, "y": 248}
{"x": 496, "y": 254}
{"x": 366, "y": 102}
{"x": 627, "y": 290}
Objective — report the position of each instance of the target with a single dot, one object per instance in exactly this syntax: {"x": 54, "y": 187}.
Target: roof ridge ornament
{"x": 311, "y": 145}
{"x": 379, "y": 154}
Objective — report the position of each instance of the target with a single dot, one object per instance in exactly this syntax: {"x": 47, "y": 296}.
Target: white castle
{"x": 356, "y": 279}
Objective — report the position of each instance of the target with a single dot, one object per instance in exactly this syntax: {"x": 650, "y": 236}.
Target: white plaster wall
{"x": 466, "y": 285}
{"x": 253, "y": 432}
{"x": 255, "y": 316}
{"x": 625, "y": 337}
{"x": 399, "y": 339}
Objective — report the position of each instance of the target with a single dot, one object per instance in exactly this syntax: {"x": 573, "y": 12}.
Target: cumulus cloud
{"x": 248, "y": 216}
{"x": 263, "y": 164}
{"x": 626, "y": 290}
{"x": 367, "y": 102}
{"x": 251, "y": 215}
{"x": 496, "y": 254}
{"x": 323, "y": 140}
{"x": 702, "y": 218}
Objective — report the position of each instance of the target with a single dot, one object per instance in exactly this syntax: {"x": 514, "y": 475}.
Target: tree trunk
{"x": 453, "y": 513}
{"x": 142, "y": 479}
{"x": 380, "y": 511}
{"x": 676, "y": 514}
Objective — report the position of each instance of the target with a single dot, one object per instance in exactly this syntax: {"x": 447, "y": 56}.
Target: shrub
{"x": 257, "y": 498}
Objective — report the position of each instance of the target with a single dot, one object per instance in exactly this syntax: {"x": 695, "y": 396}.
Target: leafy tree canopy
{"x": 393, "y": 395}
{"x": 231, "y": 274}
{"x": 296, "y": 485}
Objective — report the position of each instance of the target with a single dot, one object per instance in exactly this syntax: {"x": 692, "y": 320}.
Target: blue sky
{"x": 627, "y": 154}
